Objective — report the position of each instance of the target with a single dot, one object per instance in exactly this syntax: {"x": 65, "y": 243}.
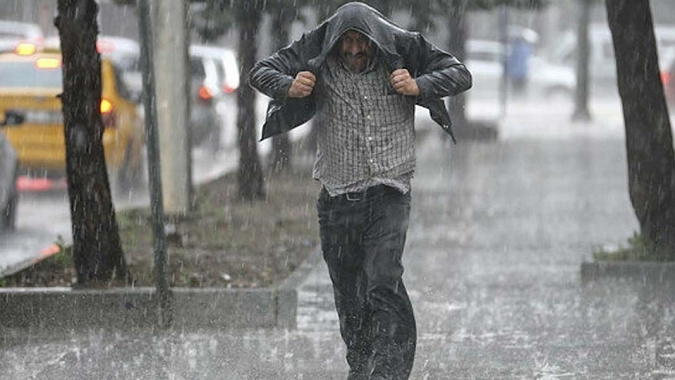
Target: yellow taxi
{"x": 29, "y": 84}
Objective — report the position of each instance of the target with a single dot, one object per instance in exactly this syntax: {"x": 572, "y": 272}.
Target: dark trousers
{"x": 362, "y": 238}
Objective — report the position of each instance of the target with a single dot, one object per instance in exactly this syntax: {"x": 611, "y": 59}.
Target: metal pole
{"x": 172, "y": 85}
{"x": 154, "y": 169}
{"x": 581, "y": 98}
{"x": 504, "y": 87}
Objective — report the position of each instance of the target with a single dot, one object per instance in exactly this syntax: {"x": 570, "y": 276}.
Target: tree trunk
{"x": 324, "y": 11}
{"x": 250, "y": 174}
{"x": 649, "y": 141}
{"x": 281, "y": 144}
{"x": 97, "y": 251}
{"x": 581, "y": 112}
{"x": 457, "y": 47}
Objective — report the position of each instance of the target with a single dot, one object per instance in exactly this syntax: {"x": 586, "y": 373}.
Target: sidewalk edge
{"x": 646, "y": 272}
{"x": 287, "y": 292}
{"x": 66, "y": 309}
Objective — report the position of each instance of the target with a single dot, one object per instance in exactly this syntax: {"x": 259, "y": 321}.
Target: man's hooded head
{"x": 361, "y": 18}
{"x": 355, "y": 31}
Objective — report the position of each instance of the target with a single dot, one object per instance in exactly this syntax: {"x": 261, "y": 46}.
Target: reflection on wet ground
{"x": 498, "y": 233}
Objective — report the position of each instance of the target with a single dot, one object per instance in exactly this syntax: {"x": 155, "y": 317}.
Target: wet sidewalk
{"x": 497, "y": 236}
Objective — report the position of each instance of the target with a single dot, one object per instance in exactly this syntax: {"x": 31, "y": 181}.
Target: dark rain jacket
{"x": 437, "y": 73}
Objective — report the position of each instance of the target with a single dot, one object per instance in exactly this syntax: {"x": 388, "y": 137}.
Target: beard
{"x": 356, "y": 62}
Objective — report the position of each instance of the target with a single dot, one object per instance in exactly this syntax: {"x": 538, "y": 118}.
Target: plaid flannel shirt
{"x": 367, "y": 133}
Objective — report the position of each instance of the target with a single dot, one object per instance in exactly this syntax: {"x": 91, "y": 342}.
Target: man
{"x": 363, "y": 76}
{"x": 517, "y": 68}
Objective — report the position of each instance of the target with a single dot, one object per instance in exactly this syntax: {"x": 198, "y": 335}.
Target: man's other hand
{"x": 302, "y": 86}
{"x": 403, "y": 83}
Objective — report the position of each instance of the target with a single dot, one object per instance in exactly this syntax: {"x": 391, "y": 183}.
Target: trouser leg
{"x": 340, "y": 230}
{"x": 393, "y": 329}
{"x": 363, "y": 245}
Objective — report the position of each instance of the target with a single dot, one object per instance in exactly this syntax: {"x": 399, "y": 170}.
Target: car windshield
{"x": 29, "y": 74}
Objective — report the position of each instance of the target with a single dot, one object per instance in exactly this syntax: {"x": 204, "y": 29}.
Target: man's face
{"x": 356, "y": 50}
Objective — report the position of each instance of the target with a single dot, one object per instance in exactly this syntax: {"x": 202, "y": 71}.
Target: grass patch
{"x": 225, "y": 242}
{"x": 638, "y": 249}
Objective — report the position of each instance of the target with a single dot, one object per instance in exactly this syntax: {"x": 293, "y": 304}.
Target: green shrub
{"x": 638, "y": 249}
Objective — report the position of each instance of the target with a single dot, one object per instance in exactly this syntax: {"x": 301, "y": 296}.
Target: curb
{"x": 64, "y": 309}
{"x": 61, "y": 310}
{"x": 287, "y": 292}
{"x": 646, "y": 272}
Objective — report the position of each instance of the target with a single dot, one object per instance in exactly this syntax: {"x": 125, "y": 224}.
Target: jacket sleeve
{"x": 439, "y": 73}
{"x": 274, "y": 75}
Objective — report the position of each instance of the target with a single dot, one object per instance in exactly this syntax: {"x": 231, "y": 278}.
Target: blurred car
{"x": 205, "y": 121}
{"x": 667, "y": 66}
{"x": 13, "y": 33}
{"x": 9, "y": 173}
{"x": 551, "y": 80}
{"x": 602, "y": 62}
{"x": 485, "y": 61}
{"x": 29, "y": 85}
{"x": 221, "y": 67}
{"x": 205, "y": 85}
{"x": 124, "y": 53}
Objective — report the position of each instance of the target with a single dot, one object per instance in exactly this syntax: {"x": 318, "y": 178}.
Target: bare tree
{"x": 581, "y": 111}
{"x": 456, "y": 13}
{"x": 97, "y": 251}
{"x": 280, "y": 157}
{"x": 250, "y": 174}
{"x": 649, "y": 141}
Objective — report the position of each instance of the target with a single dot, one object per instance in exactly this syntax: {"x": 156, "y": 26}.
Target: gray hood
{"x": 366, "y": 20}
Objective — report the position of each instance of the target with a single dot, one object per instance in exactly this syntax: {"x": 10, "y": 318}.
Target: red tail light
{"x": 104, "y": 46}
{"x": 228, "y": 90}
{"x": 666, "y": 77}
{"x": 108, "y": 114}
{"x": 204, "y": 94}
